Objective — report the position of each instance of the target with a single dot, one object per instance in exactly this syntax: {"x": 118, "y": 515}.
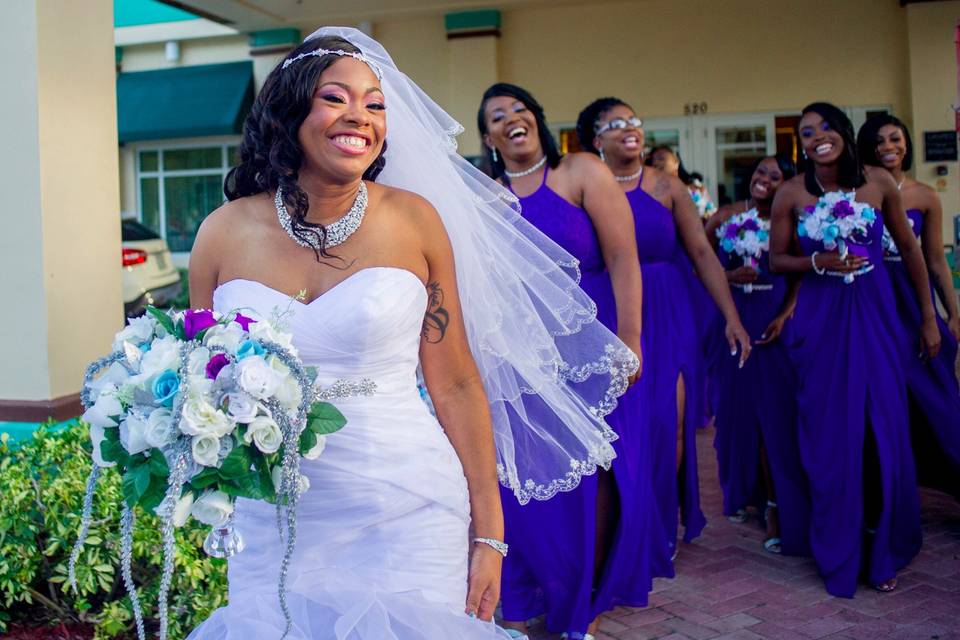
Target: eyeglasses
{"x": 620, "y": 123}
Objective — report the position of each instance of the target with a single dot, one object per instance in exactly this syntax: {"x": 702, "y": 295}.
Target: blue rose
{"x": 727, "y": 245}
{"x": 145, "y": 346}
{"x": 831, "y": 233}
{"x": 165, "y": 387}
{"x": 762, "y": 235}
{"x": 249, "y": 348}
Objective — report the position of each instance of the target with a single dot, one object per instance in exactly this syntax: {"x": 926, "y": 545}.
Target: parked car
{"x": 149, "y": 275}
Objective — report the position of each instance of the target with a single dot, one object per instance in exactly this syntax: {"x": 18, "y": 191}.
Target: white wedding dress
{"x": 382, "y": 533}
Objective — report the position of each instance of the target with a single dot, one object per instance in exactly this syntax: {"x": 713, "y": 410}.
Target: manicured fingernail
{"x": 733, "y": 352}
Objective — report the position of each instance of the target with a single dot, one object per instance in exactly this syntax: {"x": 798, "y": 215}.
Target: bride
{"x": 400, "y": 532}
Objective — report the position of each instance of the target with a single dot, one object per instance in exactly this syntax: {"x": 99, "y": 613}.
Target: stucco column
{"x": 60, "y": 239}
{"x": 933, "y": 89}
{"x": 473, "y": 41}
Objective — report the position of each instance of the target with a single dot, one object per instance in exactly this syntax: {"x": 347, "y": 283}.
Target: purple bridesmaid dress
{"x": 671, "y": 346}
{"x": 756, "y": 405}
{"x": 932, "y": 384}
{"x": 551, "y": 566}
{"x": 848, "y": 347}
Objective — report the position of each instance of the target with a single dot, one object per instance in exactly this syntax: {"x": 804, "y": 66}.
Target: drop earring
{"x": 493, "y": 150}
{"x": 602, "y": 157}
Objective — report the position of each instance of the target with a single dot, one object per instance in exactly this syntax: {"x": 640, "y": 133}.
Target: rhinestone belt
{"x": 346, "y": 388}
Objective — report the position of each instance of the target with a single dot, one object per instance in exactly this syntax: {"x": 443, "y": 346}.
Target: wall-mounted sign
{"x": 939, "y": 146}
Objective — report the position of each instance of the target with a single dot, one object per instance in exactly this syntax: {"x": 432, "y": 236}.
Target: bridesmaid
{"x": 668, "y": 232}
{"x": 884, "y": 141}
{"x": 848, "y": 345}
{"x": 756, "y": 439}
{"x": 582, "y": 552}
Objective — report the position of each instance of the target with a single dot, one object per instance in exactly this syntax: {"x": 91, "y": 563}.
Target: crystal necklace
{"x": 519, "y": 174}
{"x": 337, "y": 232}
{"x": 819, "y": 184}
{"x": 632, "y": 176}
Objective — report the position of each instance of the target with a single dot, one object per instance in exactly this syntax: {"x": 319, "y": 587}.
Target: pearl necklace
{"x": 633, "y": 176}
{"x": 519, "y": 174}
{"x": 337, "y": 232}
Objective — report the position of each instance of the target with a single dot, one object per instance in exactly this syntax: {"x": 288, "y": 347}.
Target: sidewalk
{"x": 728, "y": 588}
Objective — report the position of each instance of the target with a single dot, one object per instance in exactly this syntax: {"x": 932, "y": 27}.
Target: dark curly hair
{"x": 547, "y": 143}
{"x": 587, "y": 120}
{"x": 270, "y": 155}
{"x": 867, "y": 140}
{"x": 849, "y": 169}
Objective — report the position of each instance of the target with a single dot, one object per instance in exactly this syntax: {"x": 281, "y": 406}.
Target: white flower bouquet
{"x": 746, "y": 235}
{"x": 196, "y": 409}
{"x": 839, "y": 222}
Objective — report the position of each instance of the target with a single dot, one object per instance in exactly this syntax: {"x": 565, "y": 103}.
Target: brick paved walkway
{"x": 728, "y": 588}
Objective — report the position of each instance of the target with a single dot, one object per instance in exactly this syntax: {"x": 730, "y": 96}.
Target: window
{"x": 179, "y": 186}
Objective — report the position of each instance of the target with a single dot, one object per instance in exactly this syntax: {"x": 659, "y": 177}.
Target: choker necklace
{"x": 519, "y": 174}
{"x": 633, "y": 176}
{"x": 337, "y": 232}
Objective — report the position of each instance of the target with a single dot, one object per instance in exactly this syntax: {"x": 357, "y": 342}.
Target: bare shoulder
{"x": 405, "y": 206}
{"x": 232, "y": 224}
{"x": 660, "y": 185}
{"x": 582, "y": 161}
{"x": 880, "y": 177}
{"x": 791, "y": 188}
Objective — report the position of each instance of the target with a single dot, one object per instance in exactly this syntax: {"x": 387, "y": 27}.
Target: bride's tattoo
{"x": 437, "y": 319}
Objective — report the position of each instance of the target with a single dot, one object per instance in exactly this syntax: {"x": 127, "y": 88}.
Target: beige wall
{"x": 737, "y": 55}
{"x": 933, "y": 83}
{"x": 192, "y": 52}
{"x": 59, "y": 258}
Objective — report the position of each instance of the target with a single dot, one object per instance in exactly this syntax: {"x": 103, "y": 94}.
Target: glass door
{"x": 735, "y": 144}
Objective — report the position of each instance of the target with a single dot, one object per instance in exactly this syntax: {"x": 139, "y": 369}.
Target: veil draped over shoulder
{"x": 551, "y": 370}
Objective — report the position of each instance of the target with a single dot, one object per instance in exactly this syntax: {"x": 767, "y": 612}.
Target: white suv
{"x": 149, "y": 276}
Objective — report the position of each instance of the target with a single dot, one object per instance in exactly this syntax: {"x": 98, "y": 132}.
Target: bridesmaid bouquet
{"x": 889, "y": 246}
{"x": 196, "y": 409}
{"x": 747, "y": 235}
{"x": 838, "y": 221}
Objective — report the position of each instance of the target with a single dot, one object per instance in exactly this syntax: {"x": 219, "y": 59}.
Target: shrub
{"x": 42, "y": 482}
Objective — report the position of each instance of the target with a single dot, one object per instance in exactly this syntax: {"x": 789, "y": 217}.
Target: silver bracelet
{"x": 813, "y": 260}
{"x": 496, "y": 545}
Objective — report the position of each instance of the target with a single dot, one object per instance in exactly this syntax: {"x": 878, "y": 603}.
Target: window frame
{"x": 160, "y": 147}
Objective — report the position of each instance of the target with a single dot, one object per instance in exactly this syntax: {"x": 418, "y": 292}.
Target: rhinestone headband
{"x": 337, "y": 52}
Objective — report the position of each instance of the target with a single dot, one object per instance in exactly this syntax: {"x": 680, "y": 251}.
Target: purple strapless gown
{"x": 756, "y": 405}
{"x": 932, "y": 385}
{"x": 551, "y": 566}
{"x": 671, "y": 347}
{"x": 848, "y": 347}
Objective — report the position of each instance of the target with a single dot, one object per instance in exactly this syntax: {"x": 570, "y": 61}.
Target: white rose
{"x": 115, "y": 375}
{"x": 97, "y": 435}
{"x": 265, "y": 332}
{"x": 212, "y": 508}
{"x": 206, "y": 449}
{"x": 257, "y": 378}
{"x": 317, "y": 449}
{"x": 197, "y": 362}
{"x": 228, "y": 336}
{"x": 107, "y": 405}
{"x": 159, "y": 432}
{"x": 133, "y": 434}
{"x": 182, "y": 509}
{"x": 137, "y": 331}
{"x": 289, "y": 394}
{"x": 202, "y": 418}
{"x": 164, "y": 354}
{"x": 277, "y": 476}
{"x": 242, "y": 408}
{"x": 265, "y": 434}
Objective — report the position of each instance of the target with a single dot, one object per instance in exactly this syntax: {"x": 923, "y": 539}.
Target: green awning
{"x": 185, "y": 102}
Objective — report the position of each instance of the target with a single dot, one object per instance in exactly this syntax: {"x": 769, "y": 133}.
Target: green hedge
{"x": 42, "y": 483}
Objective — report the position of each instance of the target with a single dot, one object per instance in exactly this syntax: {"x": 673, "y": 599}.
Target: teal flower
{"x": 165, "y": 387}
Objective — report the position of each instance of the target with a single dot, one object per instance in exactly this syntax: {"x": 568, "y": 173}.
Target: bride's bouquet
{"x": 839, "y": 222}
{"x": 746, "y": 235}
{"x": 196, "y": 409}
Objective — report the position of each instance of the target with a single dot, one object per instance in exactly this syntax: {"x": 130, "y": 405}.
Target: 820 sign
{"x": 694, "y": 108}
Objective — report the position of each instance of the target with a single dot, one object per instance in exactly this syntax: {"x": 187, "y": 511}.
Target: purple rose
{"x": 216, "y": 363}
{"x": 731, "y": 231}
{"x": 244, "y": 321}
{"x": 196, "y": 320}
{"x": 750, "y": 225}
{"x": 843, "y": 209}
{"x": 810, "y": 208}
